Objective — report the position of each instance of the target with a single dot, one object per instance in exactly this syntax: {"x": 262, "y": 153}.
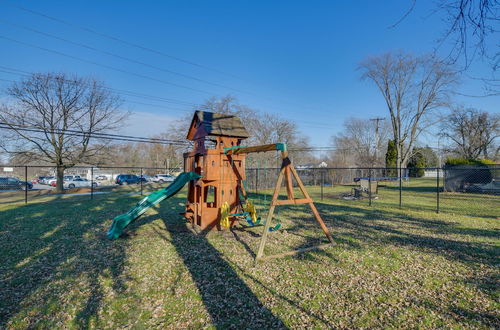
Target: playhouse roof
{"x": 216, "y": 124}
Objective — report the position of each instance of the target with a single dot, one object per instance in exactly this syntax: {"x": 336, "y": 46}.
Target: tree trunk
{"x": 399, "y": 159}
{"x": 60, "y": 178}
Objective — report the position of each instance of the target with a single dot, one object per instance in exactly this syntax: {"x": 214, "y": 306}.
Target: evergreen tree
{"x": 391, "y": 157}
{"x": 417, "y": 163}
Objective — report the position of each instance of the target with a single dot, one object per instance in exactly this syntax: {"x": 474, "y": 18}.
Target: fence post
{"x": 256, "y": 180}
{"x": 370, "y": 187}
{"x": 25, "y": 184}
{"x": 141, "y": 181}
{"x": 92, "y": 182}
{"x": 400, "y": 187}
{"x": 437, "y": 191}
{"x": 322, "y": 182}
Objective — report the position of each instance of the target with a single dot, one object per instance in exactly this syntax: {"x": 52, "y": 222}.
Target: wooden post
{"x": 277, "y": 188}
{"x": 311, "y": 204}
{"x": 286, "y": 165}
{"x": 289, "y": 183}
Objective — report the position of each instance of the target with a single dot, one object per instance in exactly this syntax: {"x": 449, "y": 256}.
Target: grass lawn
{"x": 390, "y": 267}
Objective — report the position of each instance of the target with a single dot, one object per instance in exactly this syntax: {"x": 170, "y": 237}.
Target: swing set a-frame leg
{"x": 269, "y": 218}
{"x": 288, "y": 169}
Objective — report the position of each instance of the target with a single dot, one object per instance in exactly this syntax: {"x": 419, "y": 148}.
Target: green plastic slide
{"x": 123, "y": 220}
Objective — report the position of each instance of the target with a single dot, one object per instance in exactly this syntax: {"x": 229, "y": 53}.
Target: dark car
{"x": 127, "y": 179}
{"x": 8, "y": 183}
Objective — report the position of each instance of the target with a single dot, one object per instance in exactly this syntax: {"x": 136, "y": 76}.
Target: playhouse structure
{"x": 221, "y": 175}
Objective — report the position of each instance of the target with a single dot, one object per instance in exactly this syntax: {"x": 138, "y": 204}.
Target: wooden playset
{"x": 218, "y": 198}
{"x": 215, "y": 173}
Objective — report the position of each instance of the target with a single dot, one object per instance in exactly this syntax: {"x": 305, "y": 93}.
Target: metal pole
{"x": 141, "y": 181}
{"x": 437, "y": 191}
{"x": 256, "y": 180}
{"x": 370, "y": 187}
{"x": 322, "y": 182}
{"x": 400, "y": 188}
{"x": 92, "y": 182}
{"x": 25, "y": 184}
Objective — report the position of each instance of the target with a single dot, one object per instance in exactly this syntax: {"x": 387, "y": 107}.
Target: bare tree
{"x": 364, "y": 141}
{"x": 472, "y": 133}
{"x": 54, "y": 117}
{"x": 263, "y": 128}
{"x": 472, "y": 33}
{"x": 473, "y": 30}
{"x": 470, "y": 25}
{"x": 412, "y": 87}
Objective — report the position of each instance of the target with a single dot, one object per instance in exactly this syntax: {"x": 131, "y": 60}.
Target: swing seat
{"x": 251, "y": 223}
{"x": 276, "y": 227}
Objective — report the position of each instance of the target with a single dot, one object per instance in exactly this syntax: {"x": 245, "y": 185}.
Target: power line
{"x": 108, "y": 136}
{"x": 125, "y": 42}
{"x": 129, "y": 101}
{"x": 103, "y": 65}
{"x": 55, "y": 19}
{"x": 120, "y": 56}
{"x": 151, "y": 97}
{"x": 23, "y": 73}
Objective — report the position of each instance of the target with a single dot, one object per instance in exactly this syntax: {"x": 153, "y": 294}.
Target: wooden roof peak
{"x": 216, "y": 124}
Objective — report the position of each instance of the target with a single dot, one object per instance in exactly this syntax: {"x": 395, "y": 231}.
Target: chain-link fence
{"x": 467, "y": 190}
{"x": 24, "y": 184}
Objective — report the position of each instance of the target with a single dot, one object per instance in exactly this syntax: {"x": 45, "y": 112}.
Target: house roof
{"x": 218, "y": 124}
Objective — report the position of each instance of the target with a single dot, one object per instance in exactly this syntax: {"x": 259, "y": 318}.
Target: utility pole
{"x": 377, "y": 121}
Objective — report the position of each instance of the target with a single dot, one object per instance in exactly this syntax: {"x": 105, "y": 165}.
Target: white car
{"x": 51, "y": 182}
{"x": 160, "y": 178}
{"x": 47, "y": 179}
{"x": 71, "y": 177}
{"x": 79, "y": 183}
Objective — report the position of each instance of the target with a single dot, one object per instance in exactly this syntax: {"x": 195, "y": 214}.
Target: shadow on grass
{"x": 227, "y": 298}
{"x": 416, "y": 232}
{"x": 47, "y": 252}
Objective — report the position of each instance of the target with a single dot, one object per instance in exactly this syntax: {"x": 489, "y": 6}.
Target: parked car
{"x": 51, "y": 182}
{"x": 8, "y": 183}
{"x": 38, "y": 179}
{"x": 127, "y": 179}
{"x": 160, "y": 178}
{"x": 46, "y": 179}
{"x": 101, "y": 178}
{"x": 145, "y": 178}
{"x": 79, "y": 183}
{"x": 71, "y": 177}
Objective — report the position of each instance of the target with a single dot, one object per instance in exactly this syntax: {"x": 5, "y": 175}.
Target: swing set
{"x": 219, "y": 199}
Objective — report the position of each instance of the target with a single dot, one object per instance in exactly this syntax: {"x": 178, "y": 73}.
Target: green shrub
{"x": 463, "y": 161}
{"x": 417, "y": 164}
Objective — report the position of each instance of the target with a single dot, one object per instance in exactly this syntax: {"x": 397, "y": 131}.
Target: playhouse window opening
{"x": 210, "y": 196}
{"x": 210, "y": 143}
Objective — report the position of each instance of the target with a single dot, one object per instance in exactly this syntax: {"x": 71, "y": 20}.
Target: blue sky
{"x": 294, "y": 58}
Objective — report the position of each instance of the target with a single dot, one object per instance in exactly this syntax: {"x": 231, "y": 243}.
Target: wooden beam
{"x": 247, "y": 150}
{"x": 294, "y": 252}
{"x": 293, "y": 201}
